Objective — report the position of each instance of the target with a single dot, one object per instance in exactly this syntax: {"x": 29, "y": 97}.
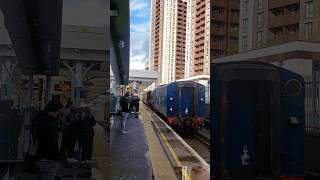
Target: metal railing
{"x": 312, "y": 103}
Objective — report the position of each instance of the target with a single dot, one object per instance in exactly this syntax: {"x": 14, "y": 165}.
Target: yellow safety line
{"x": 175, "y": 157}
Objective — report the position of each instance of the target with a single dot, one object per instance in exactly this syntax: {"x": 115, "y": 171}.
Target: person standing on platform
{"x": 72, "y": 134}
{"x": 69, "y": 136}
{"x": 48, "y": 140}
{"x": 66, "y": 121}
{"x": 137, "y": 102}
{"x": 131, "y": 102}
{"x": 124, "y": 102}
{"x": 86, "y": 134}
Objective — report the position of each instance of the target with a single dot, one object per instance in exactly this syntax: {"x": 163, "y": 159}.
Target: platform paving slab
{"x": 129, "y": 153}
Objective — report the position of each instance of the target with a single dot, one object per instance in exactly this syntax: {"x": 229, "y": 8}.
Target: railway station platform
{"x": 150, "y": 151}
{"x": 138, "y": 154}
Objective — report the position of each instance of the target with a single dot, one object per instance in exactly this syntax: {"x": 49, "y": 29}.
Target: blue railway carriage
{"x": 148, "y": 98}
{"x": 144, "y": 97}
{"x": 182, "y": 103}
{"x": 257, "y": 122}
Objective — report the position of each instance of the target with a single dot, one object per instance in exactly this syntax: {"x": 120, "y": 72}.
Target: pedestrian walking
{"x": 86, "y": 133}
{"x": 47, "y": 140}
{"x": 124, "y": 102}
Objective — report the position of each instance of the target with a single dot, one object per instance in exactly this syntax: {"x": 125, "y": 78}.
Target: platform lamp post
{"x": 48, "y": 92}
{"x": 78, "y": 83}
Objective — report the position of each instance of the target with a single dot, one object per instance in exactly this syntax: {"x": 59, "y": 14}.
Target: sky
{"x": 139, "y": 33}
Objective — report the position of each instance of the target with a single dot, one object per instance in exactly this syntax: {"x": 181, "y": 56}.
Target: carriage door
{"x": 187, "y": 102}
{"x": 248, "y": 129}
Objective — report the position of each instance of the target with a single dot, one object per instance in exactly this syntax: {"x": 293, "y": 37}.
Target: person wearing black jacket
{"x": 86, "y": 134}
{"x": 136, "y": 103}
{"x": 131, "y": 103}
{"x": 47, "y": 140}
{"x": 69, "y": 130}
{"x": 124, "y": 102}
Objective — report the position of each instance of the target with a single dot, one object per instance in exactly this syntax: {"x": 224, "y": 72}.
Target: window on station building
{"x": 245, "y": 7}
{"x": 260, "y": 20}
{"x": 259, "y": 38}
{"x": 245, "y": 25}
{"x": 245, "y": 42}
{"x": 309, "y": 9}
{"x": 308, "y": 31}
{"x": 260, "y": 4}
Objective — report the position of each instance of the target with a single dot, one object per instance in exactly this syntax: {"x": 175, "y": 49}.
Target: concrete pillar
{"x": 48, "y": 92}
{"x": 78, "y": 82}
{"x": 135, "y": 87}
{"x": 78, "y": 73}
{"x": 73, "y": 90}
{"x": 28, "y": 114}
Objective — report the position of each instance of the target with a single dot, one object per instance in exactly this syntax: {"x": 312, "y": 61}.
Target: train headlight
{"x": 171, "y": 98}
{"x": 201, "y": 99}
{"x": 171, "y": 109}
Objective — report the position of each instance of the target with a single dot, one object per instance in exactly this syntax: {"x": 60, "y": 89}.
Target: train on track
{"x": 182, "y": 104}
{"x": 257, "y": 122}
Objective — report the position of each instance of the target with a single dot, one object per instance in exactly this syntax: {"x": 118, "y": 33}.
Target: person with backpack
{"x": 47, "y": 130}
{"x": 85, "y": 134}
{"x": 124, "y": 102}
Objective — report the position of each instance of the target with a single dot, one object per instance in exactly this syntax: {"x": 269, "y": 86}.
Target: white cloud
{"x": 139, "y": 45}
{"x": 141, "y": 27}
{"x": 137, "y": 65}
{"x": 139, "y": 33}
{"x": 138, "y": 5}
{"x": 139, "y": 50}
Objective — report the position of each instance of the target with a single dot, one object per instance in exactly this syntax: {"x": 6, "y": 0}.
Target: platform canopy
{"x": 34, "y": 28}
{"x": 120, "y": 40}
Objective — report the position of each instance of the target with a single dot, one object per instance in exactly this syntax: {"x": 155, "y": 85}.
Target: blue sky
{"x": 139, "y": 33}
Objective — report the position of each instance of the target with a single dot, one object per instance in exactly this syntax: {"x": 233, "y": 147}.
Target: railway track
{"x": 186, "y": 161}
{"x": 203, "y": 140}
{"x": 200, "y": 145}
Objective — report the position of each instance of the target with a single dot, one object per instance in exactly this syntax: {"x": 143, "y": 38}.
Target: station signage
{"x": 63, "y": 87}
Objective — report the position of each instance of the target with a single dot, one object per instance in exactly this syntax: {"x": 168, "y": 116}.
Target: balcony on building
{"x": 281, "y": 3}
{"x": 234, "y": 4}
{"x": 218, "y": 17}
{"x": 200, "y": 4}
{"x": 217, "y": 44}
{"x": 218, "y": 31}
{"x": 284, "y": 16}
{"x": 219, "y": 3}
{"x": 283, "y": 35}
